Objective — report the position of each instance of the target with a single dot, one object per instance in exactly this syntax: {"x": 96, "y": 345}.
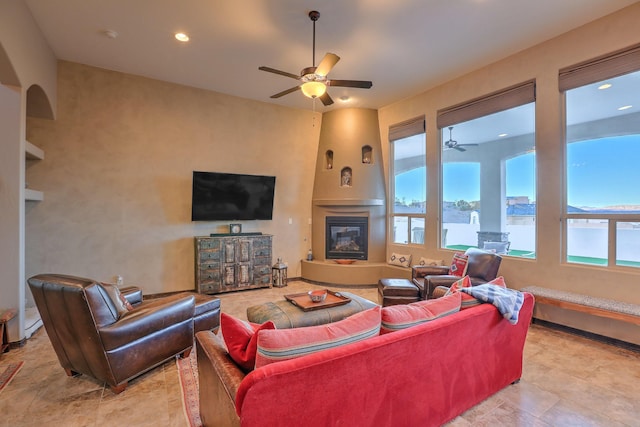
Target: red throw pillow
{"x": 396, "y": 317}
{"x": 285, "y": 344}
{"x": 241, "y": 339}
{"x": 459, "y": 264}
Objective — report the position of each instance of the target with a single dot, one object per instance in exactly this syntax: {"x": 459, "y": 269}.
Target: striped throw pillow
{"x": 284, "y": 344}
{"x": 396, "y": 317}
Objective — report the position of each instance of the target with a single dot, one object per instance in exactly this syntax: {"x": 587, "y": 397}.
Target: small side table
{"x": 5, "y": 316}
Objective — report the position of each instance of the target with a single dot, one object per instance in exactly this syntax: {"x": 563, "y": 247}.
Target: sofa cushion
{"x": 241, "y": 339}
{"x": 459, "y": 264}
{"x": 467, "y": 300}
{"x": 284, "y": 344}
{"x": 400, "y": 259}
{"x": 398, "y": 317}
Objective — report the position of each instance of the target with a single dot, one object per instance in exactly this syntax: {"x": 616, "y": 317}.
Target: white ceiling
{"x": 404, "y": 46}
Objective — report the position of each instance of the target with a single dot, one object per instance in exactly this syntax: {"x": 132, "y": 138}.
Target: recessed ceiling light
{"x": 344, "y": 98}
{"x": 605, "y": 86}
{"x": 502, "y": 135}
{"x": 626, "y": 107}
{"x": 182, "y": 37}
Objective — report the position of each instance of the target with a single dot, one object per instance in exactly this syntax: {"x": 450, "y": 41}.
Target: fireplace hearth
{"x": 346, "y": 237}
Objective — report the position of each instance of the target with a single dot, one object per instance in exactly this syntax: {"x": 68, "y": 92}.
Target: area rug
{"x": 188, "y": 373}
{"x": 9, "y": 372}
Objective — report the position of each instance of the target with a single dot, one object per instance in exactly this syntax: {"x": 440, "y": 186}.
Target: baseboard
{"x": 590, "y": 335}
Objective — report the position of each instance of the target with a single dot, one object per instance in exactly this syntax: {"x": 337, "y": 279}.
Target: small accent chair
{"x": 482, "y": 267}
{"x": 92, "y": 335}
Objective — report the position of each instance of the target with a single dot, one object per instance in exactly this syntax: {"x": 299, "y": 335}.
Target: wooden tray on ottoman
{"x": 303, "y": 301}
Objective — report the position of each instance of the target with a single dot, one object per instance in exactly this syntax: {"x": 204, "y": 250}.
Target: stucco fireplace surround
{"x": 349, "y": 141}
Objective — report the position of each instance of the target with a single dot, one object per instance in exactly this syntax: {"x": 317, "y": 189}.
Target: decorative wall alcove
{"x": 328, "y": 160}
{"x": 367, "y": 154}
{"x": 346, "y": 177}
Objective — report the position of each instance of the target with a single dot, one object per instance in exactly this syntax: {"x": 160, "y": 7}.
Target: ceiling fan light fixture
{"x": 313, "y": 89}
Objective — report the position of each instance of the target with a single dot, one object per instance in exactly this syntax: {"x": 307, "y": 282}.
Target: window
{"x": 488, "y": 173}
{"x": 409, "y": 181}
{"x": 602, "y": 208}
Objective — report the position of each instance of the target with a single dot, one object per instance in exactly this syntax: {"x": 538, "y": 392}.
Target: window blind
{"x": 407, "y": 128}
{"x": 505, "y": 99}
{"x": 604, "y": 67}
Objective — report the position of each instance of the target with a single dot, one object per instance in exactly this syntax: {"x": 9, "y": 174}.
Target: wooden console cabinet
{"x": 231, "y": 263}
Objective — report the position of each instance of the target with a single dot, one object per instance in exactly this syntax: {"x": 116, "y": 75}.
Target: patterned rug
{"x": 9, "y": 372}
{"x": 188, "y": 373}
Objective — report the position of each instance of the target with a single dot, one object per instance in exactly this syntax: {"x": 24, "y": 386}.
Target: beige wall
{"x": 25, "y": 61}
{"x": 542, "y": 63}
{"x": 117, "y": 176}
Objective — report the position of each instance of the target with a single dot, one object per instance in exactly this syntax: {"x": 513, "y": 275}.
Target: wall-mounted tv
{"x": 229, "y": 196}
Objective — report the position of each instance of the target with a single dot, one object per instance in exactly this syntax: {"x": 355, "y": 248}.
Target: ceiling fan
{"x": 452, "y": 143}
{"x": 314, "y": 79}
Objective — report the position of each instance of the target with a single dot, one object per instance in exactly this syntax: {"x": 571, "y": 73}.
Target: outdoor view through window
{"x": 410, "y": 183}
{"x": 488, "y": 183}
{"x": 603, "y": 152}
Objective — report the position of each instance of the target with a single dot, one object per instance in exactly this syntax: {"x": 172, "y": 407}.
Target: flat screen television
{"x": 229, "y": 196}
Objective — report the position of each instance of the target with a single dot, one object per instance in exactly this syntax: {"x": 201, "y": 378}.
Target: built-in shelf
{"x": 33, "y": 195}
{"x": 32, "y": 152}
{"x": 348, "y": 202}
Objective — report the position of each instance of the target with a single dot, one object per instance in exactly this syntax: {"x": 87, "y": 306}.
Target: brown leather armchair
{"x": 482, "y": 267}
{"x": 91, "y": 335}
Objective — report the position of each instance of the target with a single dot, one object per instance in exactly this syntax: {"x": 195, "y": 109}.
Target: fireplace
{"x": 346, "y": 237}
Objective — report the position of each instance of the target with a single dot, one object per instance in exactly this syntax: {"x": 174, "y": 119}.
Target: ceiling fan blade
{"x": 327, "y": 63}
{"x": 326, "y": 99}
{"x": 282, "y": 73}
{"x": 362, "y": 84}
{"x": 457, "y": 147}
{"x": 467, "y": 145}
{"x": 286, "y": 92}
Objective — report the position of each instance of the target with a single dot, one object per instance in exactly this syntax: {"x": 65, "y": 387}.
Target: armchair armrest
{"x": 133, "y": 294}
{"x": 147, "y": 319}
{"x": 420, "y": 271}
{"x": 432, "y": 282}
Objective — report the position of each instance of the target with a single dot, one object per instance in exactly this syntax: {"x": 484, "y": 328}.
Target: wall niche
{"x": 346, "y": 177}
{"x": 328, "y": 159}
{"x": 367, "y": 154}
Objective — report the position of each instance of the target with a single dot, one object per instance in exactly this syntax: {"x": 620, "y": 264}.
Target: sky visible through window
{"x": 604, "y": 172}
{"x": 600, "y": 173}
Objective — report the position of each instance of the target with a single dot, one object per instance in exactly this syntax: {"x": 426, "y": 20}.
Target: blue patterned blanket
{"x": 507, "y": 301}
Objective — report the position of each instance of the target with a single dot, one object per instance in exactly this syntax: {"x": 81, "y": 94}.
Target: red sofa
{"x": 425, "y": 375}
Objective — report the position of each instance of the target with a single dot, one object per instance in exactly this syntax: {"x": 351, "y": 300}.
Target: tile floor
{"x": 567, "y": 381}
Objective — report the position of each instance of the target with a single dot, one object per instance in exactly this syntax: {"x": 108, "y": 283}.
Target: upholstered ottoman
{"x": 397, "y": 291}
{"x": 207, "y": 313}
{"x": 286, "y": 315}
